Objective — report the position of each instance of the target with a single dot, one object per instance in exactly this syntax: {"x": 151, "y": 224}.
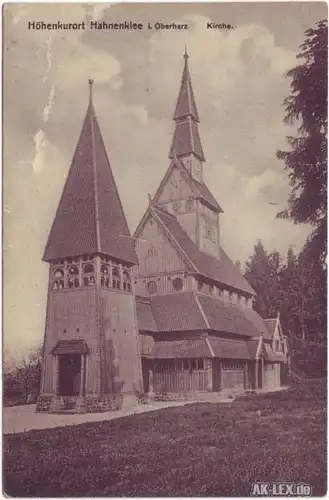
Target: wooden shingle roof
{"x": 90, "y": 218}
{"x": 75, "y": 346}
{"x": 193, "y": 311}
{"x": 187, "y": 348}
{"x": 230, "y": 349}
{"x": 220, "y": 270}
{"x": 271, "y": 325}
{"x": 186, "y": 105}
{"x": 186, "y": 140}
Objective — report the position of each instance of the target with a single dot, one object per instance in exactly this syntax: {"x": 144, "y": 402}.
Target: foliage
{"x": 306, "y": 160}
{"x": 297, "y": 290}
{"x": 188, "y": 451}
{"x": 21, "y": 380}
{"x": 262, "y": 271}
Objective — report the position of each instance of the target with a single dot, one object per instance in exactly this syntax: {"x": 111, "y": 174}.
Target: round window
{"x": 177, "y": 284}
{"x": 152, "y": 287}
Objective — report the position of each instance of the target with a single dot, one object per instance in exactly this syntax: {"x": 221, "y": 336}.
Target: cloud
{"x": 239, "y": 87}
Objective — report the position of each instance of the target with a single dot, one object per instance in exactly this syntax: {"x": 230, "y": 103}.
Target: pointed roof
{"x": 90, "y": 217}
{"x": 186, "y": 105}
{"x": 221, "y": 270}
{"x": 186, "y": 139}
{"x": 199, "y": 189}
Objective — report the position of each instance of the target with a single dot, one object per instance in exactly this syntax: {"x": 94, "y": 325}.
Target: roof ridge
{"x": 205, "y": 319}
{"x": 92, "y": 117}
{"x": 164, "y": 211}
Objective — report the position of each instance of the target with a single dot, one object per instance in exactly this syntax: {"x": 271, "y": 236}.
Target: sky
{"x": 239, "y": 82}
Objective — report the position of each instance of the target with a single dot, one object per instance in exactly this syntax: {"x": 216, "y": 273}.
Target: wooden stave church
{"x": 165, "y": 312}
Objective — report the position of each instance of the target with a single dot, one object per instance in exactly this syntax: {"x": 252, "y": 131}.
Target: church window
{"x": 179, "y": 364}
{"x": 176, "y": 207}
{"x": 177, "y": 284}
{"x": 59, "y": 273}
{"x": 73, "y": 282}
{"x": 151, "y": 252}
{"x": 116, "y": 281}
{"x": 105, "y": 269}
{"x": 126, "y": 281}
{"x": 233, "y": 365}
{"x": 189, "y": 203}
{"x": 73, "y": 270}
{"x": 89, "y": 268}
{"x": 200, "y": 364}
{"x": 88, "y": 274}
{"x": 277, "y": 347}
{"x": 58, "y": 285}
{"x": 152, "y": 287}
{"x": 211, "y": 289}
{"x": 186, "y": 364}
{"x": 200, "y": 285}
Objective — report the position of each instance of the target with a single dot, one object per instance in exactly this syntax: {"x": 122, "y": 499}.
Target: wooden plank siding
{"x": 180, "y": 381}
{"x": 155, "y": 252}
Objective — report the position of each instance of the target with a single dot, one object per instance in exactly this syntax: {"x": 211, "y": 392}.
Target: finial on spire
{"x": 186, "y": 54}
{"x": 90, "y": 81}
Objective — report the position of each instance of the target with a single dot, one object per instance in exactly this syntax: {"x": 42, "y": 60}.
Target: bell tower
{"x": 194, "y": 206}
{"x": 91, "y": 358}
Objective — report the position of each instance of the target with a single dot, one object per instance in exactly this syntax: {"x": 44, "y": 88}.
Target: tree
{"x": 22, "y": 375}
{"x": 306, "y": 161}
{"x": 262, "y": 271}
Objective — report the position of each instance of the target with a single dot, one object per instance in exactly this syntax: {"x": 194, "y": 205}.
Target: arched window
{"x": 89, "y": 268}
{"x": 88, "y": 280}
{"x": 152, "y": 287}
{"x": 116, "y": 280}
{"x": 58, "y": 285}
{"x": 177, "y": 284}
{"x": 126, "y": 281}
{"x": 73, "y": 270}
{"x": 105, "y": 269}
{"x": 58, "y": 273}
{"x": 88, "y": 273}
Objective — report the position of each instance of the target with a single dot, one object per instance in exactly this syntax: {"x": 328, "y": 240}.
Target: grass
{"x": 196, "y": 450}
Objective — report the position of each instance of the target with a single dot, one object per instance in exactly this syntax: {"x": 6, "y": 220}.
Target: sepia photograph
{"x": 165, "y": 249}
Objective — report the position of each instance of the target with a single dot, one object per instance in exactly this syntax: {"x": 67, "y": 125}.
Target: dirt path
{"x": 24, "y": 418}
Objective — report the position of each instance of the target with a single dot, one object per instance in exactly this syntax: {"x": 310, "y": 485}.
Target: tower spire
{"x": 90, "y": 218}
{"x": 186, "y": 140}
{"x": 90, "y": 81}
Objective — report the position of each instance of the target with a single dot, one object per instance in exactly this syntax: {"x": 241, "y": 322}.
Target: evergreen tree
{"x": 262, "y": 271}
{"x": 306, "y": 161}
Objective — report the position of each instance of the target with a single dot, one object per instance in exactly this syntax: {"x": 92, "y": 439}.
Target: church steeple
{"x": 186, "y": 142}
{"x": 90, "y": 218}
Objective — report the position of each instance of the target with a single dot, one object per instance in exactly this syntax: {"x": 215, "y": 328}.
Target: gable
{"x": 156, "y": 254}
{"x": 176, "y": 187}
